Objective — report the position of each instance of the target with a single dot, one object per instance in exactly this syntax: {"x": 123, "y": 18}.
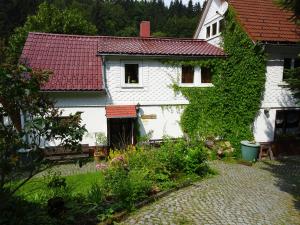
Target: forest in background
{"x": 111, "y": 17}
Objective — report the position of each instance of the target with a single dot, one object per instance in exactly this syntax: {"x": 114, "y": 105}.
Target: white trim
{"x": 202, "y": 19}
{"x": 197, "y": 80}
{"x": 140, "y": 75}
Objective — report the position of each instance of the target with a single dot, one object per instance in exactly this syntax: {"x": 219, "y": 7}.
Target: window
{"x": 221, "y": 25}
{"x": 187, "y": 75}
{"x": 206, "y": 75}
{"x": 287, "y": 124}
{"x": 290, "y": 63}
{"x": 208, "y": 32}
{"x": 131, "y": 73}
{"x": 214, "y": 29}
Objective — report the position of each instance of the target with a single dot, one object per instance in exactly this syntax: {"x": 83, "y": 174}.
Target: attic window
{"x": 187, "y": 75}
{"x": 214, "y": 29}
{"x": 208, "y": 32}
{"x": 131, "y": 73}
{"x": 221, "y": 25}
{"x": 206, "y": 76}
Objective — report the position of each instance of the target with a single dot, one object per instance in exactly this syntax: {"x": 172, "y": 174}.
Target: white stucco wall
{"x": 155, "y": 97}
{"x": 156, "y": 87}
{"x": 276, "y": 95}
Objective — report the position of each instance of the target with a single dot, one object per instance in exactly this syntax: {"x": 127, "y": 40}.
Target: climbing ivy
{"x": 229, "y": 108}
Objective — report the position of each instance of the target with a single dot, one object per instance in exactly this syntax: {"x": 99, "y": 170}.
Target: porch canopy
{"x": 121, "y": 111}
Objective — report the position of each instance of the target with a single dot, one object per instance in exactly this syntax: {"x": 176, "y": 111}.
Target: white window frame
{"x": 210, "y": 24}
{"x": 197, "y": 79}
{"x": 140, "y": 75}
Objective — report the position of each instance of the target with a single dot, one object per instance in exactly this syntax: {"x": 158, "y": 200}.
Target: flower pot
{"x": 249, "y": 150}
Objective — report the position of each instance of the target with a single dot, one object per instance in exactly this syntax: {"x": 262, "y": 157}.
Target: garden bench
{"x": 64, "y": 154}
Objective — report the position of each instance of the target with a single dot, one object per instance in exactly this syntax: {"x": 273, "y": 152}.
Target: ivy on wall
{"x": 229, "y": 108}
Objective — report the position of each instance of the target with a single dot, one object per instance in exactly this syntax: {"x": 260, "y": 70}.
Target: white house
{"x": 120, "y": 84}
{"x": 266, "y": 23}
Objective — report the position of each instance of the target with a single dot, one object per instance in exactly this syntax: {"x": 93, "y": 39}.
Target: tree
{"x": 48, "y": 19}
{"x": 292, "y": 5}
{"x": 29, "y": 120}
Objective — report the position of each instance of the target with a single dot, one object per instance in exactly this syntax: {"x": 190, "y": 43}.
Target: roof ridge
{"x": 119, "y": 37}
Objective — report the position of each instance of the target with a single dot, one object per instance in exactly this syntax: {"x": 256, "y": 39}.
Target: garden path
{"x": 266, "y": 193}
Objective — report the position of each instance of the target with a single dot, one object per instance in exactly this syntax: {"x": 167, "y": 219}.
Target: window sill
{"x": 132, "y": 86}
{"x": 197, "y": 85}
{"x": 282, "y": 84}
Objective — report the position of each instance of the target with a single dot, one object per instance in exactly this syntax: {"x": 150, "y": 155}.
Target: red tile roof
{"x": 265, "y": 21}
{"x": 121, "y": 111}
{"x": 157, "y": 46}
{"x": 76, "y": 66}
{"x": 71, "y": 58}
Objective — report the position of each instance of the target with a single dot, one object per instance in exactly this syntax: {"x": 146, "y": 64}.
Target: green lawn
{"x": 36, "y": 189}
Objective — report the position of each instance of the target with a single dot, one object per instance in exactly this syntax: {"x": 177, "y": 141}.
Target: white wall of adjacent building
{"x": 276, "y": 96}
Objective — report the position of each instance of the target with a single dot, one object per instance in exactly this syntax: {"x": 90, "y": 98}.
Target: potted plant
{"x": 249, "y": 150}
{"x": 101, "y": 144}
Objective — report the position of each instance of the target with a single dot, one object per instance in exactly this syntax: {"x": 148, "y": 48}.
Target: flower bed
{"x": 126, "y": 179}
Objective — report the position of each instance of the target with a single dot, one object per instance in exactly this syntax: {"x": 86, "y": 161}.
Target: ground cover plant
{"x": 127, "y": 178}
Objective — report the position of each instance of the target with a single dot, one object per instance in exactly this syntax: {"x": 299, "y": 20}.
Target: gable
{"x": 210, "y": 22}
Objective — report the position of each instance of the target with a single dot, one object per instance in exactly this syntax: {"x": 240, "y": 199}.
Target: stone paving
{"x": 266, "y": 193}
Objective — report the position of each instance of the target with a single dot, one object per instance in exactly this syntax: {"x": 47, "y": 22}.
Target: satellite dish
{"x": 224, "y": 7}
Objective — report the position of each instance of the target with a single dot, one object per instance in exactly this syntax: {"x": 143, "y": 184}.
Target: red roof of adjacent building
{"x": 263, "y": 20}
{"x": 121, "y": 111}
{"x": 74, "y": 62}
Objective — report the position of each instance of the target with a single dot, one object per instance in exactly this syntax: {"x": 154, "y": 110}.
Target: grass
{"x": 35, "y": 189}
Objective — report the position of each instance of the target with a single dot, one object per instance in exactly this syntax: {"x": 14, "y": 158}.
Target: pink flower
{"x": 101, "y": 166}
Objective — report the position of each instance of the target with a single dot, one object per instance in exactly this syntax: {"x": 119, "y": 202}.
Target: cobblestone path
{"x": 266, "y": 193}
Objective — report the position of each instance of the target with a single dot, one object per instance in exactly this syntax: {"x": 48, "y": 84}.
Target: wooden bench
{"x": 64, "y": 154}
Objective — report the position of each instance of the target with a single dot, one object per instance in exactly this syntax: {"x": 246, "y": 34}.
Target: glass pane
{"x": 287, "y": 63}
{"x": 131, "y": 73}
{"x": 221, "y": 25}
{"x": 208, "y": 32}
{"x": 297, "y": 63}
{"x": 214, "y": 29}
{"x": 187, "y": 74}
{"x": 205, "y": 75}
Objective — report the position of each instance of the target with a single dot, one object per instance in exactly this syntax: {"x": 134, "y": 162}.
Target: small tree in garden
{"x": 28, "y": 120}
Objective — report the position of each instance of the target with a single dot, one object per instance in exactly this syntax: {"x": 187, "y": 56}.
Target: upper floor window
{"x": 187, "y": 75}
{"x": 208, "y": 32}
{"x": 214, "y": 29}
{"x": 131, "y": 73}
{"x": 206, "y": 76}
{"x": 290, "y": 63}
{"x": 221, "y": 25}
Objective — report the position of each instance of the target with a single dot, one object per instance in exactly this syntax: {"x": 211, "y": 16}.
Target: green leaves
{"x": 229, "y": 108}
{"x": 48, "y": 19}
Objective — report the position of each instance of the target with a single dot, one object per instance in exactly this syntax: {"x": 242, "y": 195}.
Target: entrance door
{"x": 121, "y": 132}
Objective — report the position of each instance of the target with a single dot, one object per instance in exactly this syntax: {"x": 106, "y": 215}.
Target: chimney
{"x": 145, "y": 29}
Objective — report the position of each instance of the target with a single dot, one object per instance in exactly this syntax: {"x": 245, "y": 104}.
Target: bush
{"x": 196, "y": 160}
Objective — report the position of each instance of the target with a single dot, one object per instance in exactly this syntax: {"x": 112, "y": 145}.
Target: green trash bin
{"x": 249, "y": 150}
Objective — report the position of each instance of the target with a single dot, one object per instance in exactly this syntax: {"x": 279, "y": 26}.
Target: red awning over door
{"x": 121, "y": 111}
